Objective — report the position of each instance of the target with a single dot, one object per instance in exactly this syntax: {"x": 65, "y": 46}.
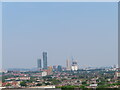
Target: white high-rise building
{"x": 74, "y": 66}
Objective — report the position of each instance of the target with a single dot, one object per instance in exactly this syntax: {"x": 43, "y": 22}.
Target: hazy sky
{"x": 85, "y": 31}
{"x": 0, "y": 35}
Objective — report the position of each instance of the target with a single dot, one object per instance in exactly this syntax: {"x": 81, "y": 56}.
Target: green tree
{"x": 39, "y": 84}
{"x": 55, "y": 82}
{"x": 82, "y": 86}
{"x": 8, "y": 84}
{"x": 23, "y": 83}
{"x": 84, "y": 82}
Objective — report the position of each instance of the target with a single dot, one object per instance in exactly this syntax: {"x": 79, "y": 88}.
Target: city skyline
{"x": 85, "y": 31}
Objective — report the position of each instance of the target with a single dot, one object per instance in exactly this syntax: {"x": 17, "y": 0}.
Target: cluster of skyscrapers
{"x": 71, "y": 66}
{"x": 39, "y": 61}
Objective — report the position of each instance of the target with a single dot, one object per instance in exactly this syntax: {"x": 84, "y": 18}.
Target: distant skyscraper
{"x": 50, "y": 70}
{"x": 39, "y": 64}
{"x": 54, "y": 68}
{"x": 59, "y": 68}
{"x": 44, "y": 60}
{"x": 68, "y": 65}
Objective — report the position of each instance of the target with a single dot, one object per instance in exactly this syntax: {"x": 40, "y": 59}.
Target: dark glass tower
{"x": 39, "y": 63}
{"x": 44, "y": 60}
{"x": 59, "y": 68}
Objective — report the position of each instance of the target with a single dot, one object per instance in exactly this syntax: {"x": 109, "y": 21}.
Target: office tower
{"x": 68, "y": 65}
{"x": 50, "y": 70}
{"x": 39, "y": 63}
{"x": 54, "y": 68}
{"x": 74, "y": 66}
{"x": 44, "y": 60}
{"x": 59, "y": 68}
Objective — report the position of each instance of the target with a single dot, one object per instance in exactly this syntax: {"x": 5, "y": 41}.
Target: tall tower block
{"x": 44, "y": 60}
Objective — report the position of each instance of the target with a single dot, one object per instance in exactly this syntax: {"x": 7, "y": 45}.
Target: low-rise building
{"x": 44, "y": 73}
